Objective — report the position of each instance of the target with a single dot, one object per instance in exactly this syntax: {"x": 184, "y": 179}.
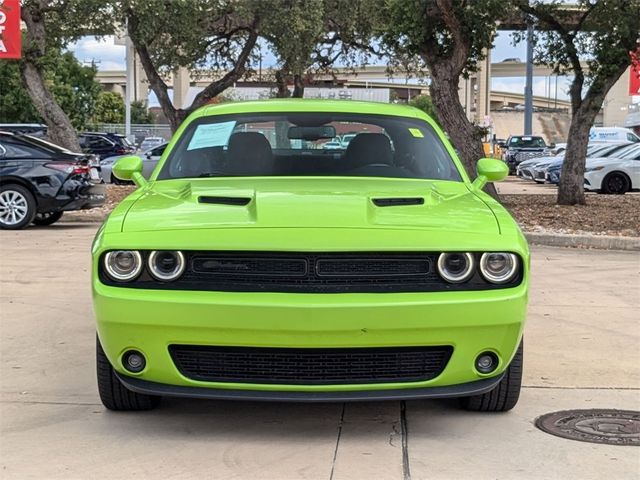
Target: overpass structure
{"x": 475, "y": 92}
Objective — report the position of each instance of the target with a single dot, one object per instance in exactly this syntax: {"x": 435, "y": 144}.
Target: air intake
{"x": 398, "y": 201}
{"x": 237, "y": 201}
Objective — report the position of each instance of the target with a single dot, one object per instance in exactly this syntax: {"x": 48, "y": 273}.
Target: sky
{"x": 109, "y": 56}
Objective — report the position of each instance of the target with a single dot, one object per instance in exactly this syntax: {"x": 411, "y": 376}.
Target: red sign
{"x": 634, "y": 74}
{"x": 10, "y": 36}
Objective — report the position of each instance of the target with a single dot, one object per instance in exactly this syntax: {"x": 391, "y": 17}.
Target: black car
{"x": 105, "y": 144}
{"x": 519, "y": 148}
{"x": 40, "y": 180}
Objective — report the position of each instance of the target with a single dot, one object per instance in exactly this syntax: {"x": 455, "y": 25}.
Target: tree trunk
{"x": 281, "y": 85}
{"x": 462, "y": 133}
{"x": 60, "y": 129}
{"x": 298, "y": 86}
{"x": 571, "y": 188}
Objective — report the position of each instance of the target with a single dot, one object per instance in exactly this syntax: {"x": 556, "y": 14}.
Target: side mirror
{"x": 552, "y": 145}
{"x": 489, "y": 170}
{"x": 130, "y": 168}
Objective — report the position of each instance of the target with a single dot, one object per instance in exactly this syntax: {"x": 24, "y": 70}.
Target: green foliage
{"x": 109, "y": 108}
{"x": 140, "y": 114}
{"x": 74, "y": 87}
{"x": 419, "y": 29}
{"x": 15, "y": 103}
{"x": 424, "y": 103}
{"x": 72, "y": 84}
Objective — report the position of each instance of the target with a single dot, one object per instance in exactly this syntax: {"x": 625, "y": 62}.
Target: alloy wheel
{"x": 13, "y": 207}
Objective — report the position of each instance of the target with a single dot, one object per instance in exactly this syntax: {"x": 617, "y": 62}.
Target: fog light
{"x": 486, "y": 362}
{"x": 133, "y": 361}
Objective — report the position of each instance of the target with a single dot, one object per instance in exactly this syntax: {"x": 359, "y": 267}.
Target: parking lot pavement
{"x": 581, "y": 351}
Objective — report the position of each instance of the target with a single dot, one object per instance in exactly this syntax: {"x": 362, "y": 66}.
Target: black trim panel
{"x": 462, "y": 390}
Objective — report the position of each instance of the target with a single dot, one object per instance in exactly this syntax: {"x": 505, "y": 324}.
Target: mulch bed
{"x": 603, "y": 214}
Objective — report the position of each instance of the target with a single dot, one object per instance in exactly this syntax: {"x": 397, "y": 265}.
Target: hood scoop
{"x": 236, "y": 201}
{"x": 397, "y": 201}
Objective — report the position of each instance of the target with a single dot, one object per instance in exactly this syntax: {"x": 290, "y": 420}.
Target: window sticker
{"x": 211, "y": 135}
{"x": 416, "y": 132}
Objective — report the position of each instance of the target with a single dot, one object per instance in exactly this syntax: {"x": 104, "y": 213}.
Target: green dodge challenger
{"x": 256, "y": 263}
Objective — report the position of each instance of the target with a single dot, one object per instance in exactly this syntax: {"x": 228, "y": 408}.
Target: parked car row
{"x": 149, "y": 157}
{"x": 609, "y": 168}
{"x": 39, "y": 181}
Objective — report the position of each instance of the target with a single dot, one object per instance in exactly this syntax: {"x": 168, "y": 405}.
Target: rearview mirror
{"x": 129, "y": 168}
{"x": 489, "y": 170}
{"x": 311, "y": 133}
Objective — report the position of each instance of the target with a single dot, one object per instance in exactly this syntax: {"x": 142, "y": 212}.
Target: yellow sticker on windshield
{"x": 416, "y": 132}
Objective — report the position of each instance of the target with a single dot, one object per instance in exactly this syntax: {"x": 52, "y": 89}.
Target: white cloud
{"x": 104, "y": 52}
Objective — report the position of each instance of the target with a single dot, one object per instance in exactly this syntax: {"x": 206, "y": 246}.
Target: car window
{"x": 21, "y": 151}
{"x": 631, "y": 137}
{"x": 291, "y": 144}
{"x": 527, "y": 142}
{"x": 158, "y": 151}
{"x": 98, "y": 142}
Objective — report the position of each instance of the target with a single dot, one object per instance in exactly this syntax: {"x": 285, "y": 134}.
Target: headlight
{"x": 123, "y": 265}
{"x": 166, "y": 265}
{"x": 498, "y": 267}
{"x": 455, "y": 267}
{"x": 594, "y": 169}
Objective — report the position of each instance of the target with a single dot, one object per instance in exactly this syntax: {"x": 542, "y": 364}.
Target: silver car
{"x": 149, "y": 161}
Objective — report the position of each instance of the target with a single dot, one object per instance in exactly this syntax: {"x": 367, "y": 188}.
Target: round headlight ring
{"x": 503, "y": 275}
{"x": 117, "y": 268}
{"x": 171, "y": 275}
{"x": 452, "y": 277}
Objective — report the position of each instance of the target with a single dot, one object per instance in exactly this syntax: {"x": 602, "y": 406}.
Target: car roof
{"x": 292, "y": 105}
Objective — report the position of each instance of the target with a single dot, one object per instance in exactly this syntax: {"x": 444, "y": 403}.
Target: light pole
{"x": 528, "y": 89}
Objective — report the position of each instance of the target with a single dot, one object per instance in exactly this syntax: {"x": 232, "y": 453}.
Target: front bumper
{"x": 464, "y": 390}
{"x": 151, "y": 320}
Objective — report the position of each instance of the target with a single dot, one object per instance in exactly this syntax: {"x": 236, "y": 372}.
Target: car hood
{"x": 324, "y": 202}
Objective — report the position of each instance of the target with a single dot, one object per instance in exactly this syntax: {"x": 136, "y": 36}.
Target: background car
{"x": 519, "y": 148}
{"x": 105, "y": 145}
{"x": 617, "y": 175}
{"x": 553, "y": 169}
{"x": 150, "y": 142}
{"x": 332, "y": 145}
{"x": 149, "y": 160}
{"x": 40, "y": 180}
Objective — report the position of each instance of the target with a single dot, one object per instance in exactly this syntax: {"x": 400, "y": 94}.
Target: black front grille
{"x": 310, "y": 366}
{"x": 296, "y": 272}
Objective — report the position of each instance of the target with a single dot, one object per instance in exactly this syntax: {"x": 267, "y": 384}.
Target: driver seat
{"x": 369, "y": 149}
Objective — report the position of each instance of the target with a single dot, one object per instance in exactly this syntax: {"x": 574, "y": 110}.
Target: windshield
{"x": 527, "y": 142}
{"x": 294, "y": 144}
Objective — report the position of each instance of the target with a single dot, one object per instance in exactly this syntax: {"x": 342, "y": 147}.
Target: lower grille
{"x": 310, "y": 366}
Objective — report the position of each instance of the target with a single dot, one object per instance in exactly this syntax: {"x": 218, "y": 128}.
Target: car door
{"x": 150, "y": 160}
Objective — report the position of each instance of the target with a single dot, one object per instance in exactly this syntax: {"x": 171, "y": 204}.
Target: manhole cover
{"x": 614, "y": 427}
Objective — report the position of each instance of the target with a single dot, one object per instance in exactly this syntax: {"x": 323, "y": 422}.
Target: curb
{"x": 604, "y": 242}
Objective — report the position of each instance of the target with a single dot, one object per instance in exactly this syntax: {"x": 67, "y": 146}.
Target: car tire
{"x": 47, "y": 218}
{"x": 23, "y": 203}
{"x": 615, "y": 183}
{"x": 505, "y": 395}
{"x": 113, "y": 394}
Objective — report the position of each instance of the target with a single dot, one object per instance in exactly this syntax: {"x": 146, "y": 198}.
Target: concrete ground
{"x": 581, "y": 351}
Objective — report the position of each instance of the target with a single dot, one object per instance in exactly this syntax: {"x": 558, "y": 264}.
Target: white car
{"x": 149, "y": 161}
{"x": 614, "y": 175}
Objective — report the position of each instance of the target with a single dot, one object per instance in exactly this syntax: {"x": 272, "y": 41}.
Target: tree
{"x": 602, "y": 35}
{"x": 109, "y": 108}
{"x": 424, "y": 103}
{"x": 52, "y": 25}
{"x": 72, "y": 85}
{"x": 325, "y": 32}
{"x": 208, "y": 34}
{"x": 140, "y": 113}
{"x": 451, "y": 37}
